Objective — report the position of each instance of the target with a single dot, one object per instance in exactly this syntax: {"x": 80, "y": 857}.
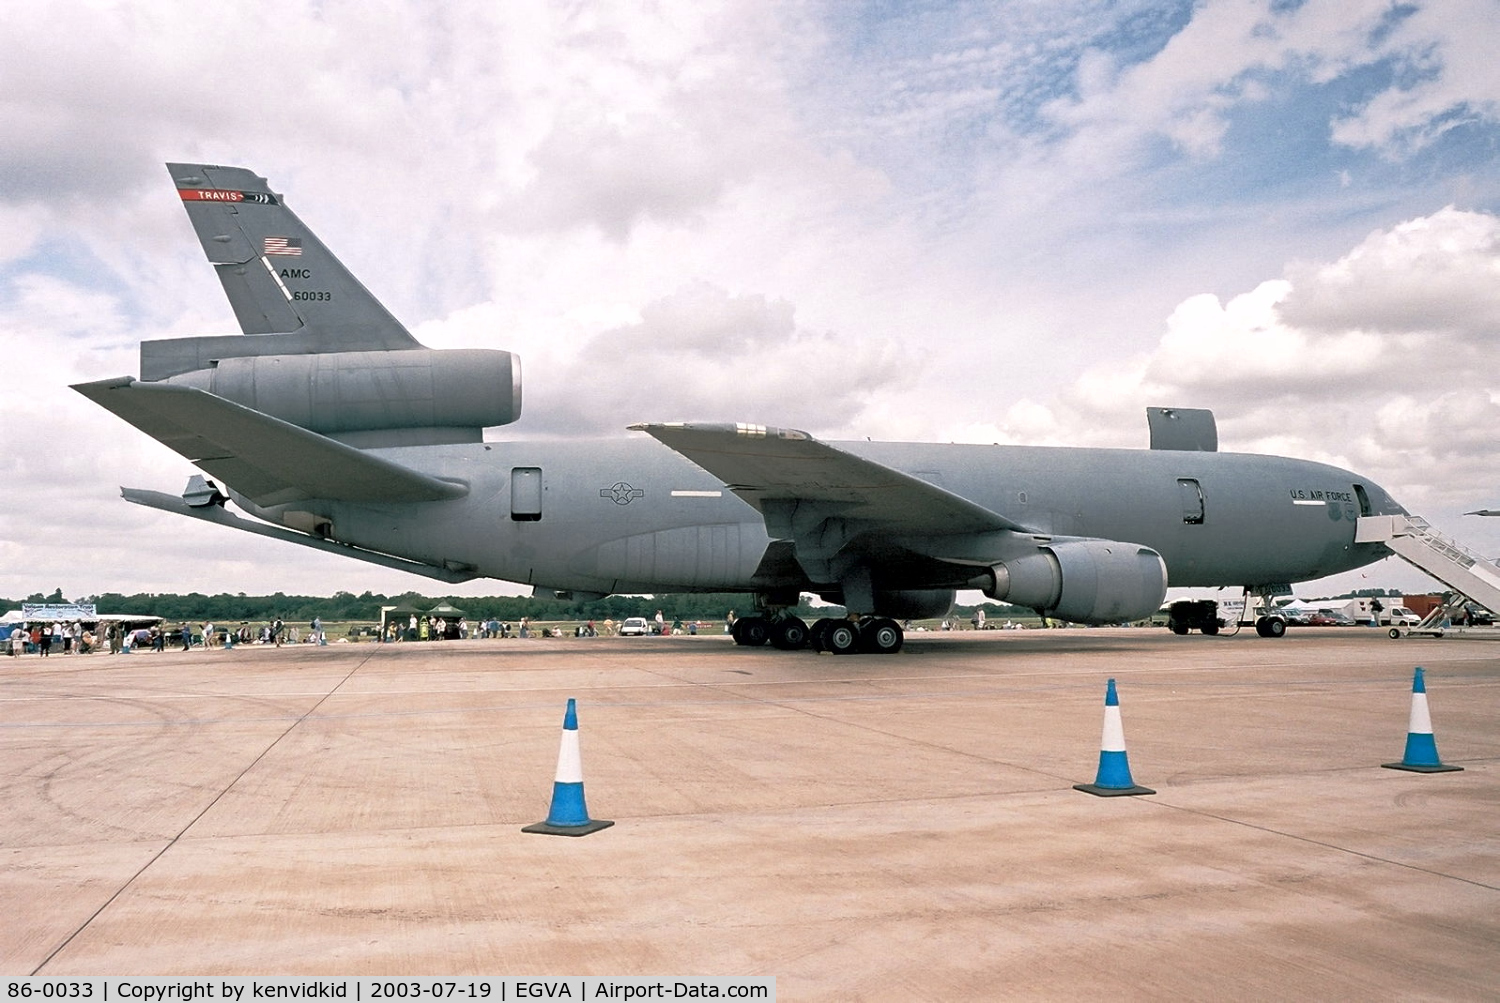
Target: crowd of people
{"x": 428, "y": 627}
{"x": 437, "y": 628}
{"x": 117, "y": 637}
{"x": 46, "y": 638}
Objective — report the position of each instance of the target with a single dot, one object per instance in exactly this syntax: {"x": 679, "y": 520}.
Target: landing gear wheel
{"x": 815, "y": 637}
{"x": 880, "y": 636}
{"x": 788, "y": 633}
{"x": 751, "y": 631}
{"x": 1270, "y": 626}
{"x": 841, "y": 637}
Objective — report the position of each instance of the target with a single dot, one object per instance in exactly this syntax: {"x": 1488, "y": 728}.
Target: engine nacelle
{"x": 914, "y": 604}
{"x": 1085, "y": 581}
{"x": 457, "y": 392}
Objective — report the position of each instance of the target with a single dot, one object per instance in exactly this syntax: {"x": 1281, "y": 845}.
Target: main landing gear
{"x": 873, "y": 635}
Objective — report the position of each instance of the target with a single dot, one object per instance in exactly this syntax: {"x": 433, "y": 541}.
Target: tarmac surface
{"x": 860, "y": 827}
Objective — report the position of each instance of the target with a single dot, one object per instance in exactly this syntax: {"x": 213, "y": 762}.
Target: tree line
{"x": 345, "y": 606}
{"x": 342, "y": 606}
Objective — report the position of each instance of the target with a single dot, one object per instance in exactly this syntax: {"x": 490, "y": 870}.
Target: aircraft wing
{"x": 769, "y": 467}
{"x": 269, "y": 461}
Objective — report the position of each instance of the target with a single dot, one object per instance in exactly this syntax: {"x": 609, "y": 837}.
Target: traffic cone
{"x": 1113, "y": 779}
{"x": 569, "y": 815}
{"x": 1421, "y": 748}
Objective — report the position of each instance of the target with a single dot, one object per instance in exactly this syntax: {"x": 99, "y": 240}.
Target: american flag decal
{"x": 283, "y": 245}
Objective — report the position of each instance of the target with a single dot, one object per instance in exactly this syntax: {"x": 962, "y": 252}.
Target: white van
{"x": 1398, "y": 616}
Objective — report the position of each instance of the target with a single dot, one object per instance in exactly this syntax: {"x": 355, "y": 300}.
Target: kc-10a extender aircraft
{"x": 327, "y": 420}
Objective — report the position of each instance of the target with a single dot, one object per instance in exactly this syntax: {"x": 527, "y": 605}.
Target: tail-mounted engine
{"x": 371, "y": 398}
{"x": 1085, "y": 581}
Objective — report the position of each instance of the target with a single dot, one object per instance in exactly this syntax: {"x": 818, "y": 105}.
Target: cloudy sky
{"x": 1015, "y": 221}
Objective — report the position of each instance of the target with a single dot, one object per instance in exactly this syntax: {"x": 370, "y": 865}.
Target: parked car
{"x": 1330, "y": 618}
{"x": 635, "y": 626}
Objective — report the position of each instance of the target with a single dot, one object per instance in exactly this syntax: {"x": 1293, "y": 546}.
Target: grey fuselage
{"x": 627, "y": 515}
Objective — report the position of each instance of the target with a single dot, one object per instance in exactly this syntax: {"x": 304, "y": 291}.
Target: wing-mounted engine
{"x": 375, "y": 398}
{"x": 1085, "y": 581}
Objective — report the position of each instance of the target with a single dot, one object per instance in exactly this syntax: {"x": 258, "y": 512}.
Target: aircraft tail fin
{"x": 279, "y": 277}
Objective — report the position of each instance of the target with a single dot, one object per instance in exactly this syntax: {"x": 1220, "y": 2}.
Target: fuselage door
{"x": 1365, "y": 508}
{"x": 1190, "y": 492}
{"x": 526, "y": 494}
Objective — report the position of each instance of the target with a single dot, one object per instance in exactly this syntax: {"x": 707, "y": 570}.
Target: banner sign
{"x": 59, "y": 611}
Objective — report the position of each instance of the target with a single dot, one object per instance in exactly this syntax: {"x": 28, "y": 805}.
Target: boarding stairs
{"x": 1450, "y": 562}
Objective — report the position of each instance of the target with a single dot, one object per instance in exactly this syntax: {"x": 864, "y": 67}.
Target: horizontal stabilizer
{"x": 762, "y": 464}
{"x": 216, "y": 514}
{"x": 269, "y": 461}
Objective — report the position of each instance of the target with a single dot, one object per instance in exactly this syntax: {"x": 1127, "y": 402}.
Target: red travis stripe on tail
{"x": 210, "y": 195}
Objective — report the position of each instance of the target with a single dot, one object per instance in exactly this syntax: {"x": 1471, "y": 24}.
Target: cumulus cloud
{"x": 614, "y": 176}
{"x": 705, "y": 354}
{"x": 950, "y": 221}
{"x": 1381, "y": 361}
{"x": 1435, "y": 277}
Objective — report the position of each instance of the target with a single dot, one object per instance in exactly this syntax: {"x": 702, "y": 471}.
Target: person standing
{"x": 45, "y": 641}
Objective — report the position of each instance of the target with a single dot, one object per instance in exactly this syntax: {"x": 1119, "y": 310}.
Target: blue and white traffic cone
{"x": 569, "y": 815}
{"x": 1113, "y": 779}
{"x": 1421, "y": 748}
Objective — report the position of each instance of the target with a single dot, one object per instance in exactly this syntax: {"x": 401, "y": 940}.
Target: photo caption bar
{"x": 387, "y": 989}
